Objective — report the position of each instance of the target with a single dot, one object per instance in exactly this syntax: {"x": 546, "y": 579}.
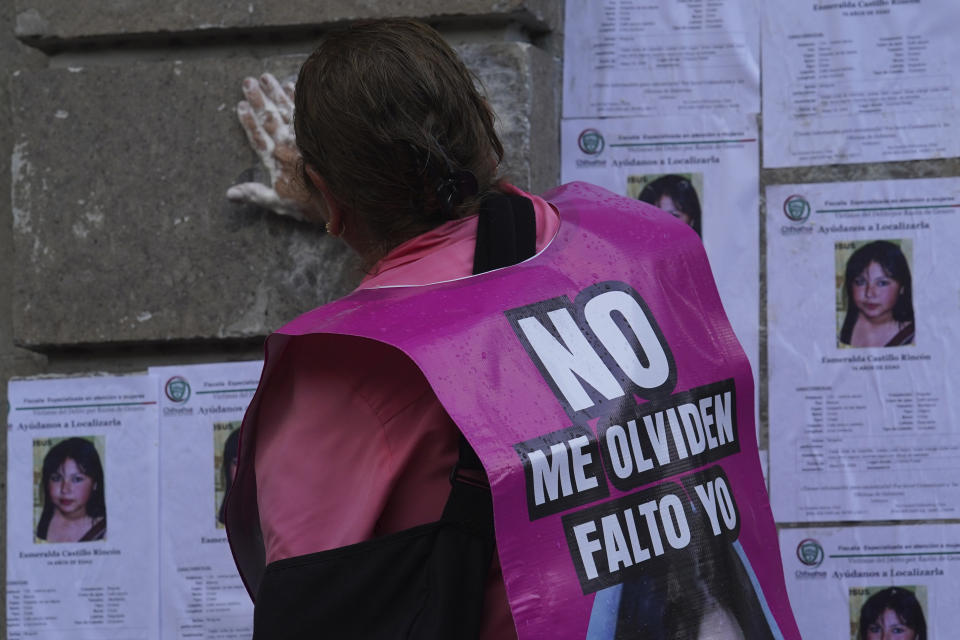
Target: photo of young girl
{"x": 226, "y": 436}
{"x": 677, "y": 194}
{"x": 874, "y": 294}
{"x": 69, "y": 503}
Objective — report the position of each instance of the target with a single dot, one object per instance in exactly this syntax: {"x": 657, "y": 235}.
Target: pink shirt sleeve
{"x": 337, "y": 460}
{"x": 340, "y": 461}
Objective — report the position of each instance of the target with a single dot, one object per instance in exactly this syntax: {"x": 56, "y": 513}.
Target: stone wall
{"x": 118, "y": 139}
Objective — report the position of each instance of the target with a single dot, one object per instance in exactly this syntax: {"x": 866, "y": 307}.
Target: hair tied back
{"x": 454, "y": 189}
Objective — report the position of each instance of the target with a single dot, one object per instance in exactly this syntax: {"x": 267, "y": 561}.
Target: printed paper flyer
{"x": 201, "y": 407}
{"x": 856, "y": 581}
{"x": 660, "y": 58}
{"x": 863, "y": 318}
{"x": 82, "y": 509}
{"x": 866, "y": 81}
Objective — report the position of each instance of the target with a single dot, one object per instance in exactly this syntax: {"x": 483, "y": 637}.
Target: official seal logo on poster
{"x": 590, "y": 142}
{"x": 796, "y": 208}
{"x": 177, "y": 389}
{"x": 810, "y": 553}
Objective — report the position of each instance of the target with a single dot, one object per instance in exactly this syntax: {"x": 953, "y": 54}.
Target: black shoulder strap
{"x": 506, "y": 232}
{"x": 506, "y": 235}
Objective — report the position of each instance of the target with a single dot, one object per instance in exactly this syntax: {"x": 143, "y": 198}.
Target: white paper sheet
{"x": 660, "y": 57}
{"x": 202, "y": 595}
{"x": 867, "y": 81}
{"x": 717, "y": 156}
{"x": 102, "y": 589}
{"x": 863, "y": 432}
{"x": 832, "y": 573}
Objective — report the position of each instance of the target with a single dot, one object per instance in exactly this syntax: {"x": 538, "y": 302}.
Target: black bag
{"x": 421, "y": 583}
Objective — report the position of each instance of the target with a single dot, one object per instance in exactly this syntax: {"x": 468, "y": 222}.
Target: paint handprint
{"x": 267, "y": 118}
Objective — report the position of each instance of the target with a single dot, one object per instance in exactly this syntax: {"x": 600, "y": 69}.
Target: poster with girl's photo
{"x": 860, "y": 347}
{"x": 201, "y": 407}
{"x": 873, "y": 582}
{"x": 69, "y": 503}
{"x": 82, "y": 508}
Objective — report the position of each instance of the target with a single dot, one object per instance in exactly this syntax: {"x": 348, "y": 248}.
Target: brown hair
{"x": 389, "y": 116}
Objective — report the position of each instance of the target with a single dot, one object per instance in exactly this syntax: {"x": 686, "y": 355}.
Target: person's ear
{"x": 332, "y": 209}
{"x": 315, "y": 178}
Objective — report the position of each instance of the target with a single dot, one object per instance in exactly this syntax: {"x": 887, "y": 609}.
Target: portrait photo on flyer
{"x": 226, "y": 440}
{"x": 69, "y": 503}
{"x": 679, "y": 194}
{"x": 875, "y": 293}
{"x": 876, "y": 612}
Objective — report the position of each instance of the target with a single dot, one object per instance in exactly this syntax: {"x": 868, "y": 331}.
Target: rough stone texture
{"x": 13, "y": 361}
{"x": 521, "y": 82}
{"x": 42, "y": 20}
{"x": 121, "y": 230}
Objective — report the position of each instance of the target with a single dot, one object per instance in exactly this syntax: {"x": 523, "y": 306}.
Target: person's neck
{"x": 73, "y": 517}
{"x": 874, "y": 332}
{"x": 880, "y": 321}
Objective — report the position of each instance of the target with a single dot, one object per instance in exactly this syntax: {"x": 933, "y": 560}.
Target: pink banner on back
{"x": 612, "y": 406}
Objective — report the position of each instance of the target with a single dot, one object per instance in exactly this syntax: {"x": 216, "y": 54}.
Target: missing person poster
{"x": 860, "y": 583}
{"x": 702, "y": 170}
{"x": 866, "y": 81}
{"x": 82, "y": 486}
{"x": 660, "y": 58}
{"x": 861, "y": 335}
{"x": 201, "y": 407}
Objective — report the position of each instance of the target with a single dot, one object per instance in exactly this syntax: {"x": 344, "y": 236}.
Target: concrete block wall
{"x": 118, "y": 139}
{"x": 121, "y": 231}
